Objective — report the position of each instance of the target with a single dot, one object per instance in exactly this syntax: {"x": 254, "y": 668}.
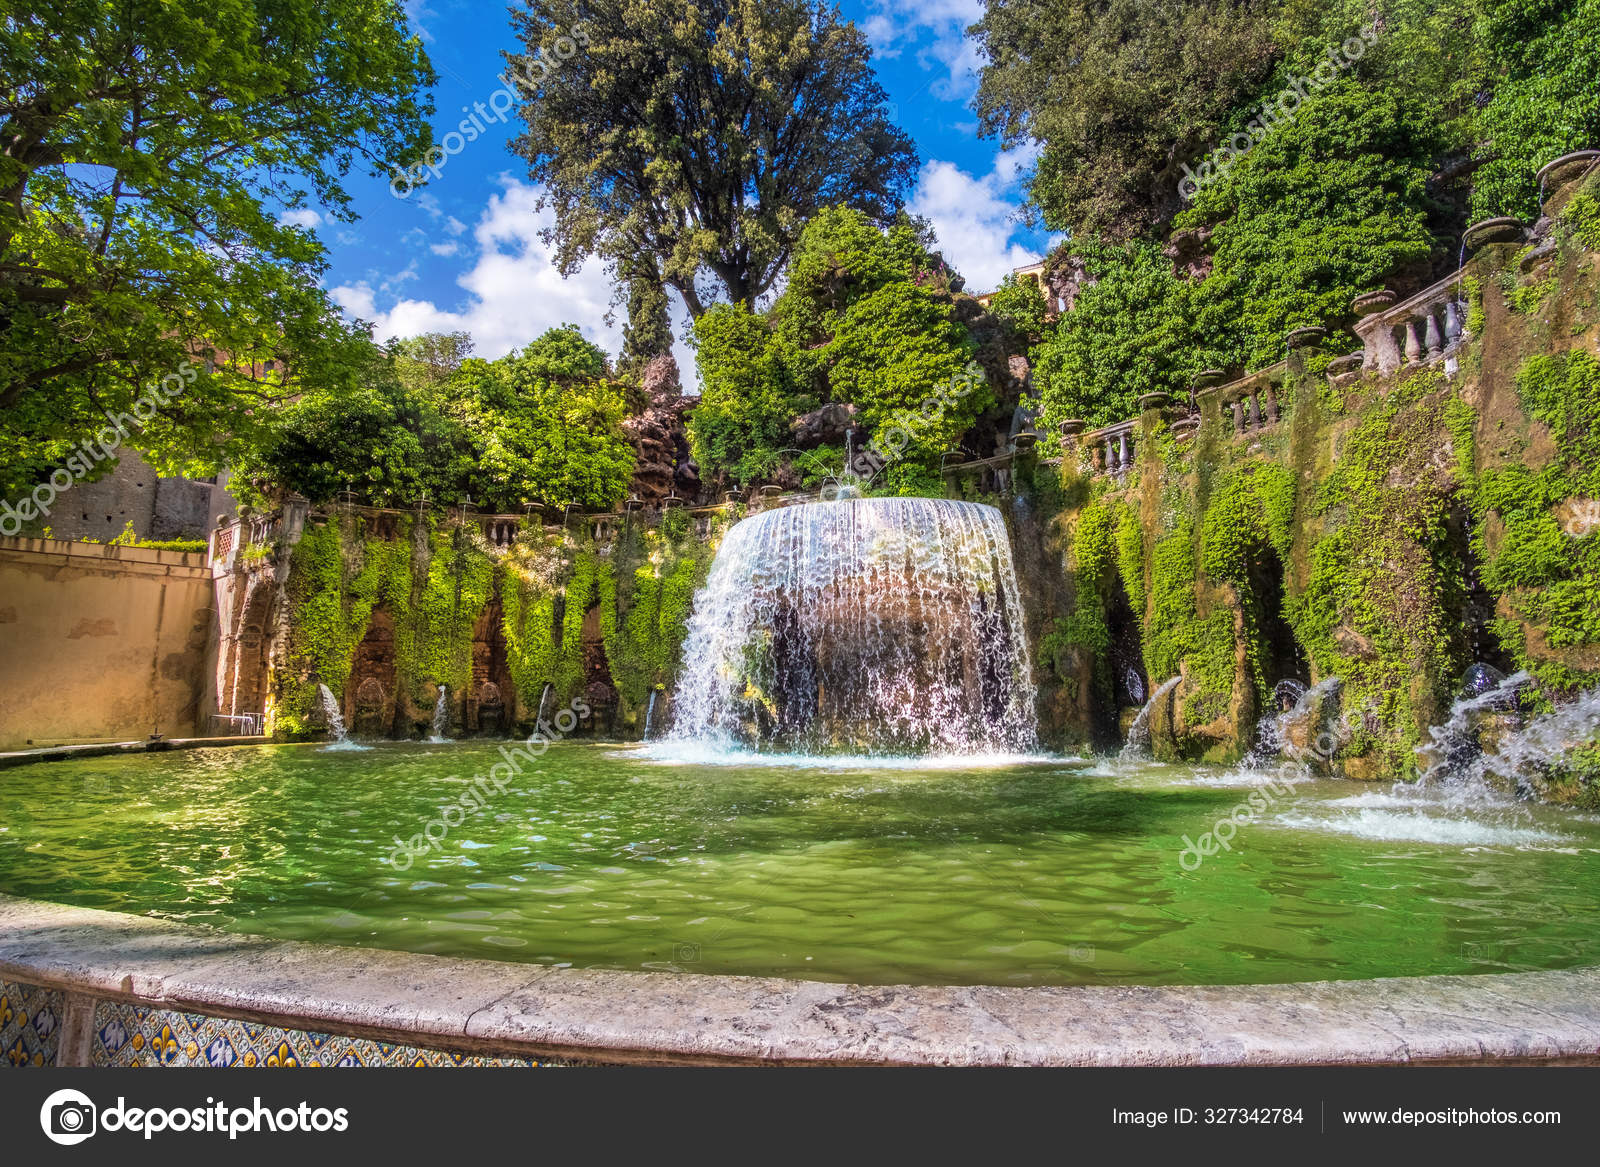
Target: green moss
{"x": 1380, "y": 606}
{"x": 1526, "y": 298}
{"x": 1541, "y": 552}
{"x": 331, "y": 592}
{"x": 1582, "y": 216}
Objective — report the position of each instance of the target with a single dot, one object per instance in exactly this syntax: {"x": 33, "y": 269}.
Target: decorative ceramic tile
{"x": 30, "y": 1025}
{"x": 134, "y": 1035}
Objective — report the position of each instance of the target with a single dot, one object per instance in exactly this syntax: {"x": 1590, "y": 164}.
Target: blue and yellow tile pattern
{"x": 139, "y": 1035}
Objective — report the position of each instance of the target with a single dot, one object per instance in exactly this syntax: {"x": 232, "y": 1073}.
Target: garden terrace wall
{"x": 101, "y": 642}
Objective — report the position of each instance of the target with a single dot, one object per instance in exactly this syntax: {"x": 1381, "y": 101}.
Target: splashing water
{"x": 441, "y": 715}
{"x": 1526, "y": 753}
{"x": 1450, "y": 755}
{"x": 330, "y": 710}
{"x": 863, "y": 626}
{"x": 1138, "y": 743}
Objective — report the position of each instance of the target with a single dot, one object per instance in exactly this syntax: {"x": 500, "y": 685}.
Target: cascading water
{"x": 650, "y": 713}
{"x": 1138, "y": 743}
{"x": 441, "y": 715}
{"x": 1450, "y": 755}
{"x": 336, "y": 729}
{"x": 876, "y": 626}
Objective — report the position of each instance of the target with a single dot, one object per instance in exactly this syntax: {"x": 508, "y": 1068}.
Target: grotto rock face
{"x": 824, "y": 426}
{"x": 663, "y": 464}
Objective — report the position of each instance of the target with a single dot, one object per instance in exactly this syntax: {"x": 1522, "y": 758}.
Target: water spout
{"x": 441, "y": 715}
{"x": 338, "y": 738}
{"x": 1138, "y": 743}
{"x": 650, "y": 712}
{"x": 872, "y": 626}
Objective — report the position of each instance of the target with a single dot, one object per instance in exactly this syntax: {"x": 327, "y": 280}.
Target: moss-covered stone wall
{"x": 386, "y": 609}
{"x": 1386, "y": 530}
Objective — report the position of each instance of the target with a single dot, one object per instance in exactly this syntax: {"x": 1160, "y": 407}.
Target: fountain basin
{"x": 98, "y": 960}
{"x": 860, "y": 871}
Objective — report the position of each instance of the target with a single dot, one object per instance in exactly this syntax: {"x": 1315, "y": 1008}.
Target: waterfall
{"x": 862, "y": 625}
{"x": 544, "y": 695}
{"x": 441, "y": 715}
{"x": 1138, "y": 743}
{"x": 330, "y": 710}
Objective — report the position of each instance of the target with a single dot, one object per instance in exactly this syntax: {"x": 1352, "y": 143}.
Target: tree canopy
{"x": 146, "y": 152}
{"x": 869, "y": 320}
{"x": 542, "y": 425}
{"x": 690, "y": 145}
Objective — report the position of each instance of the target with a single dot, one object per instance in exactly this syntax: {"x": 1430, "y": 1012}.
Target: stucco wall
{"x": 100, "y": 642}
{"x": 158, "y": 508}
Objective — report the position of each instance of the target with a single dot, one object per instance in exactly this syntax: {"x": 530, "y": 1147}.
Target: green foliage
{"x": 1582, "y": 215}
{"x": 1176, "y": 638}
{"x": 1379, "y": 609}
{"x": 151, "y": 148}
{"x": 866, "y": 320}
{"x": 746, "y": 400}
{"x": 335, "y": 581}
{"x": 1021, "y": 305}
{"x": 1544, "y": 563}
{"x": 702, "y": 139}
{"x": 1119, "y": 92}
{"x": 1542, "y": 58}
{"x": 457, "y": 588}
{"x": 1328, "y": 205}
{"x": 1128, "y": 334}
{"x": 542, "y": 424}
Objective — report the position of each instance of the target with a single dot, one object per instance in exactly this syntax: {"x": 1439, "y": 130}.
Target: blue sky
{"x": 464, "y": 253}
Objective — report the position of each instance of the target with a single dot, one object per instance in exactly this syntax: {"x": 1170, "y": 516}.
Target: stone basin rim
{"x": 659, "y": 1018}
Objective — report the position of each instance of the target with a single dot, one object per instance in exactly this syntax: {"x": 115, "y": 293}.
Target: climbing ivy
{"x": 1541, "y": 554}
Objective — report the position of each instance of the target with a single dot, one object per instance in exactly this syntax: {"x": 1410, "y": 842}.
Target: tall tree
{"x": 702, "y": 134}
{"x": 149, "y": 153}
{"x": 1121, "y": 93}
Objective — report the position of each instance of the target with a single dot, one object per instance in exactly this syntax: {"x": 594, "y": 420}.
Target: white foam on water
{"x": 1419, "y": 826}
{"x": 694, "y": 753}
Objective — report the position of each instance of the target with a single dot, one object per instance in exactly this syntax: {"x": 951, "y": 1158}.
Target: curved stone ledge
{"x": 663, "y": 1018}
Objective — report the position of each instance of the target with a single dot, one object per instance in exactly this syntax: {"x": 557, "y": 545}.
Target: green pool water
{"x": 1037, "y": 872}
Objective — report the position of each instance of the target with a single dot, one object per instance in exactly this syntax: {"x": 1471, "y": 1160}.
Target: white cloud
{"x": 936, "y": 31}
{"x": 305, "y": 217}
{"x": 449, "y": 247}
{"x": 975, "y": 218}
{"x": 513, "y": 291}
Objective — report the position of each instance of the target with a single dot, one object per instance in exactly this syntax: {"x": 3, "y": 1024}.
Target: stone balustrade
{"x": 1427, "y": 328}
{"x": 1250, "y": 404}
{"x": 1112, "y": 449}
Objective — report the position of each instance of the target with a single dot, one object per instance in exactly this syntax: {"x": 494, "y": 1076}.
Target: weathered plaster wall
{"x": 158, "y": 508}
{"x": 100, "y": 642}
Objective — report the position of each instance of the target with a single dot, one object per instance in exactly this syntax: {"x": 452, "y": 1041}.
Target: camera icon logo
{"x": 68, "y": 1117}
{"x": 1081, "y": 954}
{"x": 685, "y": 954}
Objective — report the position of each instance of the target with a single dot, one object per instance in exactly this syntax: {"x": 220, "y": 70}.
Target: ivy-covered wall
{"x": 1390, "y": 532}
{"x": 429, "y": 603}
